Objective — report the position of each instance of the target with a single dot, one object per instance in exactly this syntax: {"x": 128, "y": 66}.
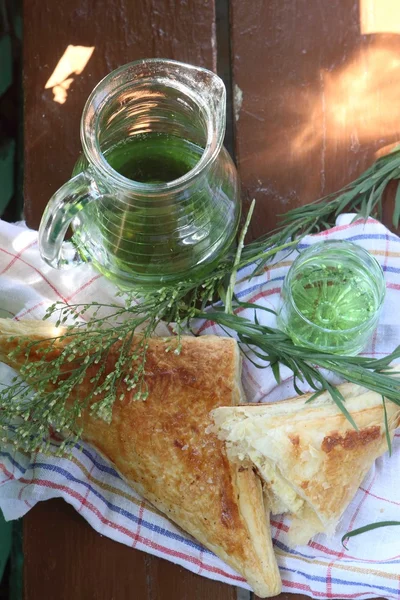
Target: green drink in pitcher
{"x": 151, "y": 158}
{"x": 154, "y": 158}
{"x": 155, "y": 197}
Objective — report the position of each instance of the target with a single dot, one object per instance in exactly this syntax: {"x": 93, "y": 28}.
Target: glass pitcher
{"x": 154, "y": 198}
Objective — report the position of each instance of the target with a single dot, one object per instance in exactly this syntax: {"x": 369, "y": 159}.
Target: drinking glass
{"x": 332, "y": 297}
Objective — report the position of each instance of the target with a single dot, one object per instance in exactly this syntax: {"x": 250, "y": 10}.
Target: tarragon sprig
{"x": 37, "y": 400}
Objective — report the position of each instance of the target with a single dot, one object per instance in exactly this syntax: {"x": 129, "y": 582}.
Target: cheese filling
{"x": 282, "y": 496}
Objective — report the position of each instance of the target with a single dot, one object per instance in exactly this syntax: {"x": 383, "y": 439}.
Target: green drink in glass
{"x": 332, "y": 297}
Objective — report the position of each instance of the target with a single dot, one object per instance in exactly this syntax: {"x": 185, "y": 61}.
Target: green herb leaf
{"x": 314, "y": 396}
{"x": 275, "y": 371}
{"x": 111, "y": 328}
{"x": 232, "y": 279}
{"x": 366, "y": 528}
{"x": 387, "y": 430}
{"x": 396, "y": 210}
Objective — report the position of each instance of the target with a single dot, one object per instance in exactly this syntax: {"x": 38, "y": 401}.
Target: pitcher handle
{"x": 63, "y": 206}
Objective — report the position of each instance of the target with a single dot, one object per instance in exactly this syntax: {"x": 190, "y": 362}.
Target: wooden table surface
{"x": 312, "y": 99}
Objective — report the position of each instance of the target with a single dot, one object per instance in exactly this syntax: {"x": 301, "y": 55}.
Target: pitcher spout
{"x": 211, "y": 93}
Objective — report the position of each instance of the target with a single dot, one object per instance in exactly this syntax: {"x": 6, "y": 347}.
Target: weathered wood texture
{"x": 120, "y": 31}
{"x": 66, "y": 559}
{"x": 314, "y": 98}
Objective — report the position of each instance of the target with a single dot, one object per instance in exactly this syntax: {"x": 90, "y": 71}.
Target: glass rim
{"x": 92, "y": 112}
{"x": 350, "y": 245}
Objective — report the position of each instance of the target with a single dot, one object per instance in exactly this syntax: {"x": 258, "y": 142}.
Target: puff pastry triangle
{"x": 160, "y": 446}
{"x": 311, "y": 459}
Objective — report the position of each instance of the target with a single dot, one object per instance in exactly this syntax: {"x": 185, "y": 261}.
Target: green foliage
{"x": 366, "y": 528}
{"x": 387, "y": 429}
{"x": 114, "y": 328}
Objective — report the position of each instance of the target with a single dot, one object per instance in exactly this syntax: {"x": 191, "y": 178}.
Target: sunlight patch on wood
{"x": 357, "y": 102}
{"x": 72, "y": 62}
{"x": 379, "y": 16}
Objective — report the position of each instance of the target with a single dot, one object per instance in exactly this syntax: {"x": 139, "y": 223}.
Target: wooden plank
{"x": 313, "y": 103}
{"x": 65, "y": 558}
{"x": 315, "y": 99}
{"x": 120, "y": 31}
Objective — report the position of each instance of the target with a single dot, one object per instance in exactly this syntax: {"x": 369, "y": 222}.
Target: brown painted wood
{"x": 121, "y": 31}
{"x": 66, "y": 559}
{"x": 313, "y": 103}
{"x": 315, "y": 100}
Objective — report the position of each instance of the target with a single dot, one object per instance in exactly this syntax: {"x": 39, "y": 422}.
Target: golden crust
{"x": 161, "y": 447}
{"x": 311, "y": 449}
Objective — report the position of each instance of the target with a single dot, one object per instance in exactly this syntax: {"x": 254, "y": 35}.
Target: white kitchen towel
{"x": 369, "y": 568}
